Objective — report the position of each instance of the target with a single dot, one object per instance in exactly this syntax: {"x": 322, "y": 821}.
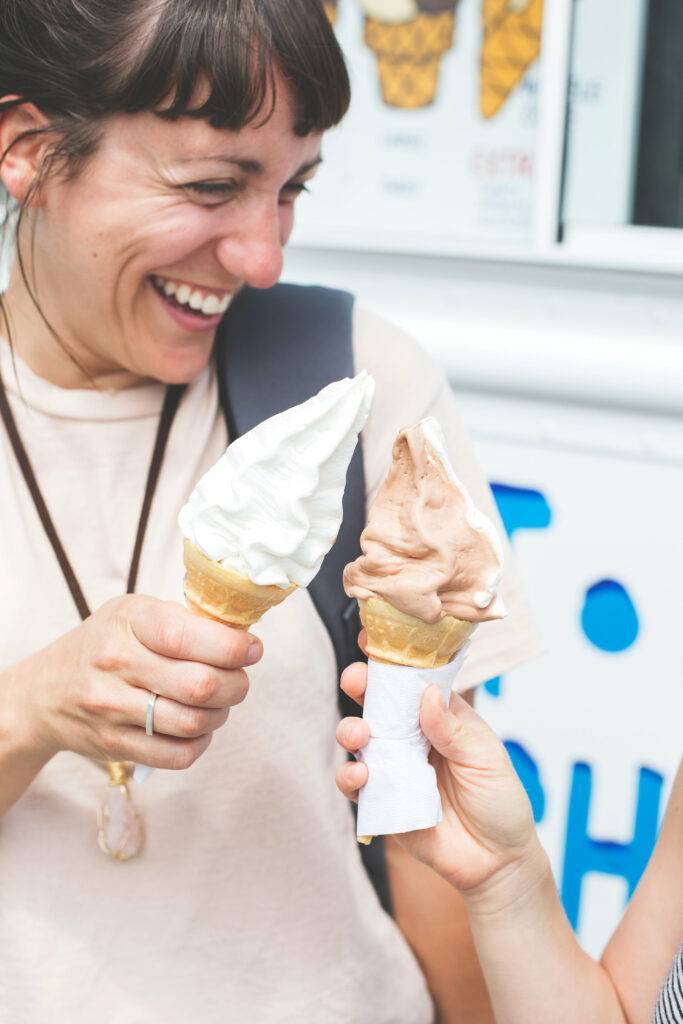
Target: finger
{"x": 188, "y": 682}
{"x": 353, "y": 734}
{"x": 350, "y": 778}
{"x": 169, "y": 717}
{"x": 354, "y": 681}
{"x": 457, "y": 732}
{"x": 169, "y": 629}
{"x": 133, "y": 744}
{"x": 363, "y": 641}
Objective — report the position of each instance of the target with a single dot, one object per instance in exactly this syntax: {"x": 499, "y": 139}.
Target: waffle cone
{"x": 512, "y": 42}
{"x": 403, "y": 639}
{"x": 225, "y": 595}
{"x": 409, "y": 56}
{"x": 331, "y": 12}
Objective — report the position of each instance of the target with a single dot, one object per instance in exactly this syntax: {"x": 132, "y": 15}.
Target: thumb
{"x": 456, "y": 732}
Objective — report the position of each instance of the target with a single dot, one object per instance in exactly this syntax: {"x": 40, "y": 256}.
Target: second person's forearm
{"x": 535, "y": 969}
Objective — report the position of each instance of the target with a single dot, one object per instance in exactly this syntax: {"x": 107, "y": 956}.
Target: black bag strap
{"x": 277, "y": 348}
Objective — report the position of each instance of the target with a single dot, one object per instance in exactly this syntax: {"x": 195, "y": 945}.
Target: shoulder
{"x": 394, "y": 358}
{"x": 408, "y": 382}
{"x": 410, "y": 386}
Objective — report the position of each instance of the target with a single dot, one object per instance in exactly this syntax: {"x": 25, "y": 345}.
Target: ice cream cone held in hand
{"x": 400, "y": 639}
{"x": 260, "y": 522}
{"x": 511, "y": 43}
{"x": 428, "y": 574}
{"x": 431, "y": 561}
{"x": 409, "y": 39}
{"x": 222, "y": 594}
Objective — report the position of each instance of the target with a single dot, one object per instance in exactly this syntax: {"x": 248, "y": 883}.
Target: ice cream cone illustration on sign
{"x": 428, "y": 574}
{"x": 510, "y": 45}
{"x": 409, "y": 38}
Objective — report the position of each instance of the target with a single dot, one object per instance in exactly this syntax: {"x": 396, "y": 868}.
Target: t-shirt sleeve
{"x": 411, "y": 386}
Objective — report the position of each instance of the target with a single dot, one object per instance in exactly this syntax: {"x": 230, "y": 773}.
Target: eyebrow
{"x": 251, "y": 166}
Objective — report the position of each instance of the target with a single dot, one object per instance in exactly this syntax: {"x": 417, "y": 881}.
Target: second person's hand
{"x": 487, "y": 826}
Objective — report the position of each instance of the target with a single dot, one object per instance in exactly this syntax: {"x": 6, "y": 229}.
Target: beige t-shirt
{"x": 249, "y": 902}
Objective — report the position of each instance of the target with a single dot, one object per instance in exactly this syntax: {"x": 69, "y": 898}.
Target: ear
{"x": 24, "y": 153}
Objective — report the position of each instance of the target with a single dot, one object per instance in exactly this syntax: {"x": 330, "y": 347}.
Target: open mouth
{"x": 194, "y": 302}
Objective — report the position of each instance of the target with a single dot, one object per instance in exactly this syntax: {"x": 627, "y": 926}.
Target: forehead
{"x": 269, "y": 139}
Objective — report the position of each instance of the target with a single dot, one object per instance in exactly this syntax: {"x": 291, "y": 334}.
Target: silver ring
{"x": 149, "y": 720}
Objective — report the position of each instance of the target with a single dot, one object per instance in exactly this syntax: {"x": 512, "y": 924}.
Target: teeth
{"x": 210, "y": 305}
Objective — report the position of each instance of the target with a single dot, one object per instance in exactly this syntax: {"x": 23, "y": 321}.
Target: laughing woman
{"x": 152, "y": 152}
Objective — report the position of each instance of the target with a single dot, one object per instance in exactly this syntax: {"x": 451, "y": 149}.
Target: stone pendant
{"x": 120, "y": 832}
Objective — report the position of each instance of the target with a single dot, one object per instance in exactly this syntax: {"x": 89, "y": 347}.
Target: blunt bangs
{"x": 217, "y": 59}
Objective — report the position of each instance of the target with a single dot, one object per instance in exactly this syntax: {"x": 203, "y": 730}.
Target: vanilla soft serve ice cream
{"x": 271, "y": 507}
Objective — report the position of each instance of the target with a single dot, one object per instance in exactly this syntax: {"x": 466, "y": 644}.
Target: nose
{"x": 252, "y": 253}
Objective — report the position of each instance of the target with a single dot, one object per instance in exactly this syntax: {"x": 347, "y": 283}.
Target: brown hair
{"x": 80, "y": 61}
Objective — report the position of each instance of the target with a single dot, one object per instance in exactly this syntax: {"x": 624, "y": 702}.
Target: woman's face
{"x": 137, "y": 258}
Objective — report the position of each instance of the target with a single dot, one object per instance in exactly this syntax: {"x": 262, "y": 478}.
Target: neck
{"x": 59, "y": 360}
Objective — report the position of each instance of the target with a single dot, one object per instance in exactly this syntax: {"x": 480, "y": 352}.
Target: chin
{"x": 180, "y": 368}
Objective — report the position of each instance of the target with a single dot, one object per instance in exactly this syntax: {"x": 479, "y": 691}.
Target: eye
{"x": 292, "y": 190}
{"x": 213, "y": 192}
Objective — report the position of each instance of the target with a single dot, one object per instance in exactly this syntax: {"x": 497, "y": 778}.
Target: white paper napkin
{"x": 401, "y": 792}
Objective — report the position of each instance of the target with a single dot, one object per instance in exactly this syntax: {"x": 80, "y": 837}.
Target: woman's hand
{"x": 487, "y": 824}
{"x": 88, "y": 691}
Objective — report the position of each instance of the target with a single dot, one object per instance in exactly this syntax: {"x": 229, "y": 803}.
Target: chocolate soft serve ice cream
{"x": 427, "y": 549}
{"x": 431, "y": 561}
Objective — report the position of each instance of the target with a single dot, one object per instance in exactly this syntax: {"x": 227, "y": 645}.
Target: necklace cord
{"x": 174, "y": 393}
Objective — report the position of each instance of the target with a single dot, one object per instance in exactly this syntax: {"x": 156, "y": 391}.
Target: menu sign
{"x": 437, "y": 150}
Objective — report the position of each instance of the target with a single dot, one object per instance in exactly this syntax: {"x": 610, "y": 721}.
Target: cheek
{"x": 133, "y": 238}
{"x": 170, "y": 238}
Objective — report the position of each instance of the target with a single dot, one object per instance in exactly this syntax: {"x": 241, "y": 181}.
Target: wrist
{"x": 512, "y": 885}
{"x": 23, "y": 730}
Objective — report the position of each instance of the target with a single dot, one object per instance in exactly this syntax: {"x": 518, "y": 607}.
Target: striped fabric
{"x": 669, "y": 1008}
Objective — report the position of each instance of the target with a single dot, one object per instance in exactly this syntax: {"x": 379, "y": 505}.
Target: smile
{"x": 192, "y": 299}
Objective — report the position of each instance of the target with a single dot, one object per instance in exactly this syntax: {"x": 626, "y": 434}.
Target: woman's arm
{"x": 433, "y": 918}
{"x": 487, "y": 848}
{"x": 531, "y": 926}
{"x": 535, "y": 969}
{"x": 639, "y": 955}
{"x": 22, "y": 756}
